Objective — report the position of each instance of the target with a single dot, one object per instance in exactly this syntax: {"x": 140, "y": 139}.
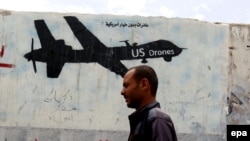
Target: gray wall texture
{"x": 61, "y": 74}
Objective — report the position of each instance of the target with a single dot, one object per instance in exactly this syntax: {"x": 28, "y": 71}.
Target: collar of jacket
{"x": 139, "y": 114}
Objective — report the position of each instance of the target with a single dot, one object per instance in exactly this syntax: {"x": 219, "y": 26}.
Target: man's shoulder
{"x": 157, "y": 113}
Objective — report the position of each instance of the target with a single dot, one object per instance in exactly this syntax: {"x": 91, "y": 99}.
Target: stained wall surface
{"x": 61, "y": 74}
{"x": 239, "y": 74}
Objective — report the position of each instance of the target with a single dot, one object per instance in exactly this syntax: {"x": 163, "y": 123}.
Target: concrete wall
{"x": 204, "y": 72}
{"x": 239, "y": 74}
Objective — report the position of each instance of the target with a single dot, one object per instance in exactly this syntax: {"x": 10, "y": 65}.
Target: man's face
{"x": 131, "y": 90}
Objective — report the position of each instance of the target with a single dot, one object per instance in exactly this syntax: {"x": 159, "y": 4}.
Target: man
{"x": 148, "y": 122}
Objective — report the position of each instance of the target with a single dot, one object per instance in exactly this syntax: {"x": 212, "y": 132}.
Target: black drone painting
{"x": 55, "y": 53}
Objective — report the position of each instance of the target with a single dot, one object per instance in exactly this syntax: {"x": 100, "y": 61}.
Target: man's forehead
{"x": 130, "y": 73}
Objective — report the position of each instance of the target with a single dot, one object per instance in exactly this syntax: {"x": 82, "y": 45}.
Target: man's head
{"x": 140, "y": 85}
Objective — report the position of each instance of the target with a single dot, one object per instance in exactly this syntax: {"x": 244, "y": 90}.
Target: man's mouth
{"x": 126, "y": 98}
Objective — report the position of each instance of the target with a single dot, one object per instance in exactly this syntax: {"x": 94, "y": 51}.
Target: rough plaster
{"x": 239, "y": 74}
{"x": 203, "y": 89}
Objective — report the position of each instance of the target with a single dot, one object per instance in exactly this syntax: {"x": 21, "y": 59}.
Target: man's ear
{"x": 145, "y": 83}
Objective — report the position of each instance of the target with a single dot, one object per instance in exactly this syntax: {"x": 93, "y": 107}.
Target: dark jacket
{"x": 151, "y": 124}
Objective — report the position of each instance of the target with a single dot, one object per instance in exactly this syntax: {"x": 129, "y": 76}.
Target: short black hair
{"x": 144, "y": 71}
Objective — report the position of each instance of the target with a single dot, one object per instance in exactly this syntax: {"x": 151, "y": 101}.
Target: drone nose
{"x": 27, "y": 56}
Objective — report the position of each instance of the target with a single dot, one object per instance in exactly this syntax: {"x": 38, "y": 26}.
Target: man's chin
{"x": 129, "y": 105}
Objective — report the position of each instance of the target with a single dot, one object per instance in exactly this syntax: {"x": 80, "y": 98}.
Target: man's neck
{"x": 146, "y": 103}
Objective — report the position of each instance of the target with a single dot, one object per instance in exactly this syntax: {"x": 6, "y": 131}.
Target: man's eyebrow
{"x": 124, "y": 83}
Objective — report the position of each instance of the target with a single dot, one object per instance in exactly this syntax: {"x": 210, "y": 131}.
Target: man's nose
{"x": 122, "y": 91}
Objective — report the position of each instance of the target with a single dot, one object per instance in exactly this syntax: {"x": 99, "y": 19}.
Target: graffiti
{"x": 231, "y": 101}
{"x": 4, "y": 64}
{"x": 64, "y": 106}
{"x": 63, "y": 102}
{"x": 123, "y": 25}
{"x": 55, "y": 53}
